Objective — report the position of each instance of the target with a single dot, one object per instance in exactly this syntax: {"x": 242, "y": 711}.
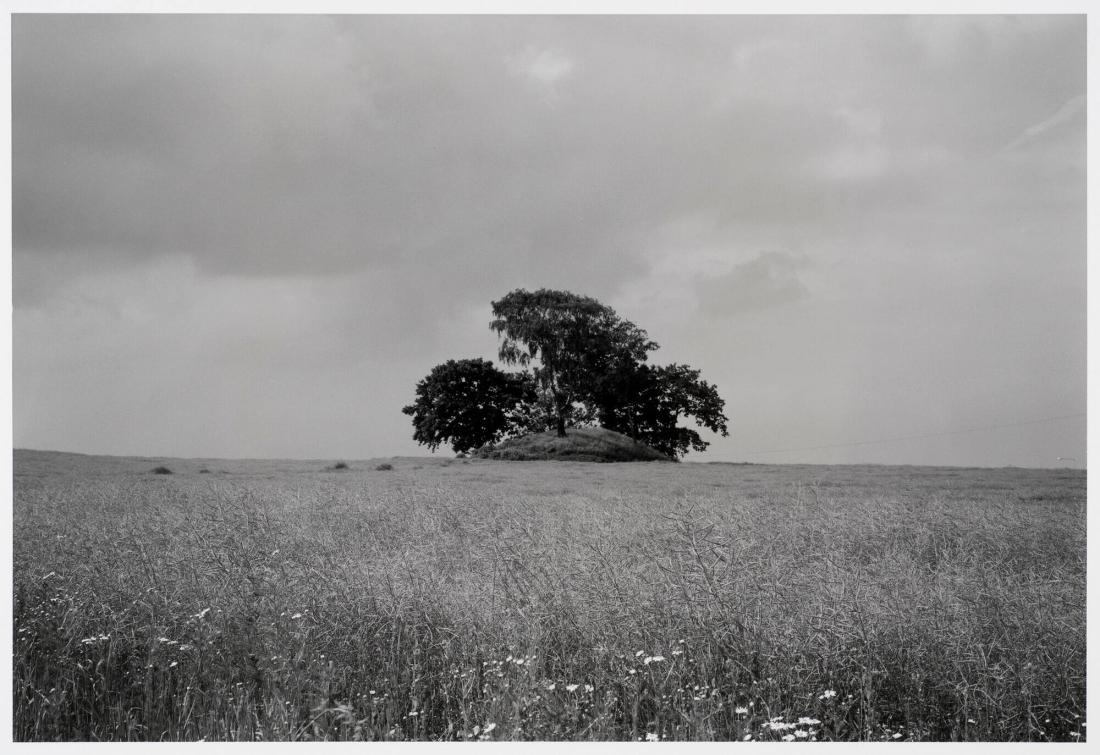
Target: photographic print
{"x": 599, "y": 378}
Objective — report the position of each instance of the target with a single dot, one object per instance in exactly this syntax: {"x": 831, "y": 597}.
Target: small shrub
{"x": 338, "y": 467}
{"x": 594, "y": 444}
{"x": 384, "y": 467}
{"x": 161, "y": 470}
{"x": 204, "y": 470}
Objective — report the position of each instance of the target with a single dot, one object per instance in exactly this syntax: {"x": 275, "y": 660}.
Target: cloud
{"x": 343, "y": 196}
{"x": 1066, "y": 113}
{"x": 543, "y": 67}
{"x": 768, "y": 280}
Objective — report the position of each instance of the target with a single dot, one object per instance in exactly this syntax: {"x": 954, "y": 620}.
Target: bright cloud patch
{"x": 545, "y": 67}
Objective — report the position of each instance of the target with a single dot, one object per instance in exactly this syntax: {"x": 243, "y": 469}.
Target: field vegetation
{"x": 479, "y": 599}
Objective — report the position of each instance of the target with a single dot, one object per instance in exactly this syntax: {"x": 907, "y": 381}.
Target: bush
{"x": 338, "y": 467}
{"x": 161, "y": 470}
{"x": 384, "y": 467}
{"x": 580, "y": 444}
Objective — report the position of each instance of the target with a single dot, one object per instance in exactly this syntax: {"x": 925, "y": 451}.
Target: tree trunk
{"x": 560, "y": 405}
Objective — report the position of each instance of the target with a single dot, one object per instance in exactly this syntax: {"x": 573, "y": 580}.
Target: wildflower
{"x": 827, "y": 694}
{"x": 551, "y": 686}
{"x": 588, "y": 688}
{"x": 897, "y": 735}
{"x": 653, "y": 659}
{"x": 639, "y": 654}
{"x": 632, "y": 671}
{"x": 652, "y": 737}
{"x": 746, "y": 738}
{"x": 971, "y": 721}
{"x": 489, "y": 727}
{"x": 788, "y": 738}
{"x": 741, "y": 710}
{"x": 201, "y": 614}
{"x": 571, "y": 687}
{"x": 806, "y": 721}
{"x": 296, "y": 616}
{"x": 173, "y": 664}
{"x": 801, "y": 734}
{"x": 677, "y": 652}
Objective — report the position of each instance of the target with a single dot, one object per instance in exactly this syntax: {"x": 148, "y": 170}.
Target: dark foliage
{"x": 587, "y": 367}
{"x": 161, "y": 470}
{"x": 467, "y": 403}
{"x": 575, "y": 338}
{"x": 647, "y": 403}
{"x": 385, "y": 467}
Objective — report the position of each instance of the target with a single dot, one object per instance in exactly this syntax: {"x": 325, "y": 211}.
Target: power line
{"x": 916, "y": 437}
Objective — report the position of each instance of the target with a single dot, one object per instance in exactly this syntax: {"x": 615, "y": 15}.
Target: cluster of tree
{"x": 581, "y": 364}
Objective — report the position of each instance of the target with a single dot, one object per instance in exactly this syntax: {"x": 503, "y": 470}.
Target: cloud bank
{"x": 250, "y": 235}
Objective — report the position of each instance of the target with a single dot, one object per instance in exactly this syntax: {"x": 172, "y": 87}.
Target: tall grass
{"x": 600, "y": 602}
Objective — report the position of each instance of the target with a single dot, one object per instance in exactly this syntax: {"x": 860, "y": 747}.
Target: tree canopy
{"x": 587, "y": 366}
{"x": 647, "y": 404}
{"x": 468, "y": 403}
{"x": 574, "y": 338}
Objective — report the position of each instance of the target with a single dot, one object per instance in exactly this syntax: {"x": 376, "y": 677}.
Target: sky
{"x": 250, "y": 236}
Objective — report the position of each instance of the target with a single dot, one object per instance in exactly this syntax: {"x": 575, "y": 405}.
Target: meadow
{"x": 446, "y": 599}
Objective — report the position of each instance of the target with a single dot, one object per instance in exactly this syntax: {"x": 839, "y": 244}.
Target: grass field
{"x": 476, "y": 599}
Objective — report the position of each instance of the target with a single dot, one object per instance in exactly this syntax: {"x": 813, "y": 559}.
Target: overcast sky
{"x": 250, "y": 236}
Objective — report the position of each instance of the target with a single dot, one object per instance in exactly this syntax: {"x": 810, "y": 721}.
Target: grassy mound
{"x": 579, "y": 444}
